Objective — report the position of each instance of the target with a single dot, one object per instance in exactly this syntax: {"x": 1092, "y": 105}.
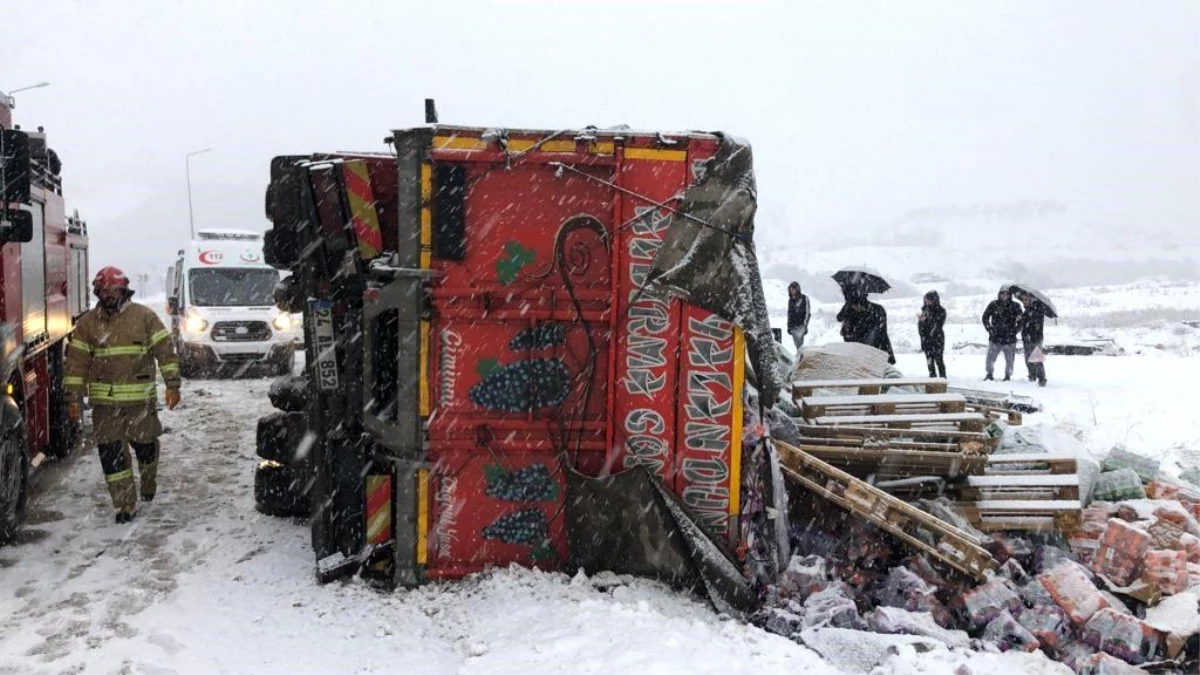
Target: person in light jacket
{"x": 799, "y": 313}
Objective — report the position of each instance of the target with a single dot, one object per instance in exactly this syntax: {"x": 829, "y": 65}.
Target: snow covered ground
{"x": 202, "y": 583}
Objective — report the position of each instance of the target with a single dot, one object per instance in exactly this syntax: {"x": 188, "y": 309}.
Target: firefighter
{"x": 111, "y": 357}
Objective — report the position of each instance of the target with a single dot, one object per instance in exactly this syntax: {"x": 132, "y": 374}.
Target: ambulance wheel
{"x": 14, "y": 482}
{"x": 281, "y": 490}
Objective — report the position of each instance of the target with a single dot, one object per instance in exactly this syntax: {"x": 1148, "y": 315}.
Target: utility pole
{"x": 187, "y": 160}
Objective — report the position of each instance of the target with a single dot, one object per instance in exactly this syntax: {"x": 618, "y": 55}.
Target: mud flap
{"x": 630, "y": 523}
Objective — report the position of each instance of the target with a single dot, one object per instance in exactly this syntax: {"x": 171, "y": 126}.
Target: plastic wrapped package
{"x": 1160, "y": 489}
{"x": 1006, "y": 633}
{"x": 1125, "y": 637}
{"x": 904, "y": 589}
{"x": 1048, "y": 623}
{"x": 804, "y": 576}
{"x": 1121, "y": 550}
{"x": 896, "y": 621}
{"x": 1175, "y": 513}
{"x": 1190, "y": 545}
{"x": 1165, "y": 534}
{"x": 1046, "y": 558}
{"x": 984, "y": 603}
{"x": 1034, "y": 594}
{"x": 832, "y": 606}
{"x": 1103, "y": 664}
{"x": 1120, "y": 458}
{"x": 1007, "y": 546}
{"x": 1074, "y": 592}
{"x": 1088, "y": 471}
{"x": 1075, "y": 653}
{"x": 1013, "y": 571}
{"x": 1118, "y": 485}
{"x": 778, "y": 621}
{"x": 1167, "y": 570}
{"x": 782, "y": 427}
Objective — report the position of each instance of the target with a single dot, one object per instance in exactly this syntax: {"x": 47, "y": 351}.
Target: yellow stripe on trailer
{"x": 423, "y": 378}
{"x": 426, "y": 216}
{"x": 459, "y": 143}
{"x": 656, "y": 155}
{"x": 422, "y": 516}
{"x": 735, "y": 455}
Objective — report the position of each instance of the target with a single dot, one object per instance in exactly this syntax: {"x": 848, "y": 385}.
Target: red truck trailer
{"x": 43, "y": 290}
{"x": 479, "y": 329}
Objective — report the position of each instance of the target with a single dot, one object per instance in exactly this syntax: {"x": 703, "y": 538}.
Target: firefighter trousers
{"x": 137, "y": 426}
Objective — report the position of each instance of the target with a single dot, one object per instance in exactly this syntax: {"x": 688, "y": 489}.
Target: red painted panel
{"x": 494, "y": 508}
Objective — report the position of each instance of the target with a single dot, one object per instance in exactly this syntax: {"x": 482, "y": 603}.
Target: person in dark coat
{"x": 1032, "y": 323}
{"x": 1000, "y": 320}
{"x": 933, "y": 338}
{"x": 865, "y": 322}
{"x": 798, "y": 315}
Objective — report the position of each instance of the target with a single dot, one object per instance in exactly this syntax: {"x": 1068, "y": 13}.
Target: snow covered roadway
{"x": 202, "y": 583}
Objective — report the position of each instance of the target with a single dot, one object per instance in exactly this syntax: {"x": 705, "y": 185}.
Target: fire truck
{"x": 43, "y": 290}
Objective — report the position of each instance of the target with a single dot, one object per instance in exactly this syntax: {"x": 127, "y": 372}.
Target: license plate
{"x": 326, "y": 346}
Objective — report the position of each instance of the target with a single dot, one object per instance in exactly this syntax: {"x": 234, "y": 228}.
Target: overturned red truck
{"x": 488, "y": 335}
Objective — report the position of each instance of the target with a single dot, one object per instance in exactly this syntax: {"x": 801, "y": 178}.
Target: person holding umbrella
{"x": 930, "y": 325}
{"x": 1032, "y": 323}
{"x": 864, "y": 321}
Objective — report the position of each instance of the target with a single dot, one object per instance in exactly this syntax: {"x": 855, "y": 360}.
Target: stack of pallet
{"x": 1031, "y": 492}
{"x": 866, "y": 428}
{"x": 913, "y": 436}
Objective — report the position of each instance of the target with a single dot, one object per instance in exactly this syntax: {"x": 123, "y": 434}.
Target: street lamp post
{"x": 12, "y": 102}
{"x": 187, "y": 160}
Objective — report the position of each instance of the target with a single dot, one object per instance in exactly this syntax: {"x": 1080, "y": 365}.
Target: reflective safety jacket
{"x": 111, "y": 356}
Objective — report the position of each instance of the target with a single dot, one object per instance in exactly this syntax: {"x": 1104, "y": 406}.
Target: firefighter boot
{"x": 114, "y": 458}
{"x": 147, "y": 458}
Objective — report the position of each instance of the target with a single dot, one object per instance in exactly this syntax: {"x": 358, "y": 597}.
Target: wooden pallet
{"x": 888, "y": 463}
{"x": 954, "y": 547}
{"x": 928, "y": 385}
{"x": 962, "y": 421}
{"x": 1030, "y": 492}
{"x": 951, "y": 440}
{"x": 881, "y": 404}
{"x": 992, "y": 413}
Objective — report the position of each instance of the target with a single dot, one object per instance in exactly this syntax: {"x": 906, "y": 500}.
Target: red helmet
{"x": 110, "y": 277}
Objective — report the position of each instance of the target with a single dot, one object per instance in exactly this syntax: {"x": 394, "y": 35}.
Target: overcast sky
{"x": 859, "y": 112}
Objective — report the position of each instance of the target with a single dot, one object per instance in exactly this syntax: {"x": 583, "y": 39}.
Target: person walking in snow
{"x": 930, "y": 325}
{"x": 1000, "y": 320}
{"x": 798, "y": 315}
{"x": 865, "y": 322}
{"x": 111, "y": 357}
{"x": 1032, "y": 323}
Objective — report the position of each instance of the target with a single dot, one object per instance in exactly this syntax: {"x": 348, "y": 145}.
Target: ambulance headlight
{"x": 195, "y": 324}
{"x": 282, "y": 322}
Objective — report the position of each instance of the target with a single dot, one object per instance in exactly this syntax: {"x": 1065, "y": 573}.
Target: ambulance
{"x": 222, "y": 308}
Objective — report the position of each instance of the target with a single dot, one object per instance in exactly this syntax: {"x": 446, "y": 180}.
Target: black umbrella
{"x": 1041, "y": 297}
{"x": 863, "y": 278}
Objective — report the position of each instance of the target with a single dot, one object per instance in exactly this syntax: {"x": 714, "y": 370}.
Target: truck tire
{"x": 289, "y": 394}
{"x": 280, "y": 437}
{"x": 281, "y": 490}
{"x": 14, "y": 482}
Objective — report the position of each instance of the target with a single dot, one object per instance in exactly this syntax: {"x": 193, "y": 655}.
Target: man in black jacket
{"x": 1000, "y": 320}
{"x": 865, "y": 322}
{"x": 798, "y": 315}
{"x": 1032, "y": 322}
